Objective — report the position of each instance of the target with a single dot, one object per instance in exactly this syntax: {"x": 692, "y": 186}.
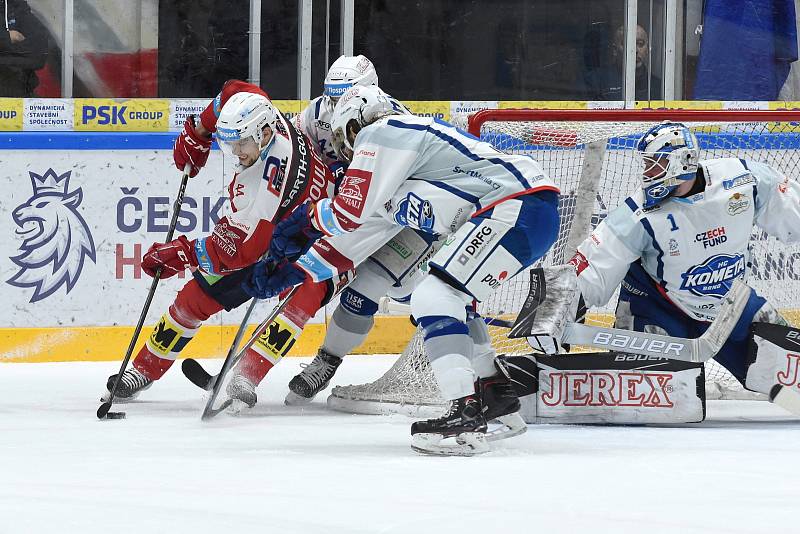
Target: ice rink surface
{"x": 288, "y": 470}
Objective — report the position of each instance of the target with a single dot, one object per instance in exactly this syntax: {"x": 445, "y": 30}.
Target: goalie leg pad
{"x": 774, "y": 358}
{"x": 613, "y": 388}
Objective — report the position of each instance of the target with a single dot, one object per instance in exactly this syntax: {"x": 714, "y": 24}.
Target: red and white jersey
{"x": 415, "y": 172}
{"x": 287, "y": 173}
{"x": 693, "y": 248}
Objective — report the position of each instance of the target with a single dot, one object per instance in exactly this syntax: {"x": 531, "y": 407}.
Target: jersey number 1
{"x": 672, "y": 222}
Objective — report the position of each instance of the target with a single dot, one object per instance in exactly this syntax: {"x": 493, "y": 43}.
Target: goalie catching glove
{"x": 554, "y": 302}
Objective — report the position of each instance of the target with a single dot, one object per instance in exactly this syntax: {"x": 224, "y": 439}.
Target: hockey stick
{"x": 200, "y": 377}
{"x": 697, "y": 350}
{"x": 103, "y": 410}
{"x": 209, "y": 411}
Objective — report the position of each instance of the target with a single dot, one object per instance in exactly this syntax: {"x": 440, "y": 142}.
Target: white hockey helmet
{"x": 242, "y": 120}
{"x": 346, "y": 72}
{"x": 357, "y": 108}
{"x": 670, "y": 152}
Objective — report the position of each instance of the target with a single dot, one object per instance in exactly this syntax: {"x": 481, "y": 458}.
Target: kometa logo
{"x": 715, "y": 276}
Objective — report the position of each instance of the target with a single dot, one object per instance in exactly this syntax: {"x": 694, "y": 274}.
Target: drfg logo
{"x": 56, "y": 238}
{"x": 480, "y": 238}
{"x": 647, "y": 390}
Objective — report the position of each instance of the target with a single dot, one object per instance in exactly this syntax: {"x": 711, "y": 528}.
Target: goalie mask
{"x": 241, "y": 123}
{"x": 346, "y": 72}
{"x": 359, "y": 107}
{"x": 670, "y": 152}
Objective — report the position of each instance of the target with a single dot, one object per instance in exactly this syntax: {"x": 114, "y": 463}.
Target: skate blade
{"x": 236, "y": 407}
{"x": 293, "y": 399}
{"x": 118, "y": 400}
{"x": 467, "y": 444}
{"x": 510, "y": 425}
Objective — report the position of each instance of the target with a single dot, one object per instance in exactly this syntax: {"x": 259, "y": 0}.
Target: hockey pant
{"x": 644, "y": 308}
{"x": 487, "y": 250}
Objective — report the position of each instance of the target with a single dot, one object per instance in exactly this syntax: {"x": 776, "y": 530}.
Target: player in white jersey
{"x": 499, "y": 210}
{"x": 678, "y": 244}
{"x": 315, "y": 119}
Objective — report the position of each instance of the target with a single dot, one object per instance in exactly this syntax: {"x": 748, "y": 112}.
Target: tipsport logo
{"x": 56, "y": 238}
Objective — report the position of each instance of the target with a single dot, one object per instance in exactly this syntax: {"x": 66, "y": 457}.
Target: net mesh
{"x": 596, "y": 167}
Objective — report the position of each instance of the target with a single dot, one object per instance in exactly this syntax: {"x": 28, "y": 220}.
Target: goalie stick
{"x": 230, "y": 360}
{"x": 103, "y": 410}
{"x": 696, "y": 350}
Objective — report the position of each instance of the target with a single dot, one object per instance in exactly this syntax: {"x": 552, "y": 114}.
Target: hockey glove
{"x": 190, "y": 147}
{"x": 173, "y": 257}
{"x": 268, "y": 281}
{"x": 294, "y": 235}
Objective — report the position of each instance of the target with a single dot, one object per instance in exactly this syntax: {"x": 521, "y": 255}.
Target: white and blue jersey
{"x": 315, "y": 122}
{"x": 414, "y": 172}
{"x": 691, "y": 248}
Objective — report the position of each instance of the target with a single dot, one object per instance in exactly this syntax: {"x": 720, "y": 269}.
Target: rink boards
{"x": 81, "y": 208}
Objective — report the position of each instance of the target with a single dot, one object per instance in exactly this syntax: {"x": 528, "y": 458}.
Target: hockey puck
{"x": 115, "y": 415}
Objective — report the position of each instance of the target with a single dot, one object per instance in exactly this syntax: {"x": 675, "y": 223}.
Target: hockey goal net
{"x": 591, "y": 156}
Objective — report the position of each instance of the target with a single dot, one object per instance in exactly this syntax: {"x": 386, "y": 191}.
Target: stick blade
{"x": 197, "y": 375}
{"x": 102, "y": 411}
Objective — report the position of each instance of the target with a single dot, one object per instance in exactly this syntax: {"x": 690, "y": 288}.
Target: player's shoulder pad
{"x": 625, "y": 221}
{"x": 395, "y": 131}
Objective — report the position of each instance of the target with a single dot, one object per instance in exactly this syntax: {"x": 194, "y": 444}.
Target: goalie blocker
{"x": 607, "y": 388}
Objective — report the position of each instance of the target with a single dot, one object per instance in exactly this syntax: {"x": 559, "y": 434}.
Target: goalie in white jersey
{"x": 406, "y": 171}
{"x": 678, "y": 244}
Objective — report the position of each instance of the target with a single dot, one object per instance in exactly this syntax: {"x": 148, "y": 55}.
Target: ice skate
{"x": 312, "y": 379}
{"x": 130, "y": 385}
{"x": 242, "y": 393}
{"x": 463, "y": 421}
{"x": 501, "y": 405}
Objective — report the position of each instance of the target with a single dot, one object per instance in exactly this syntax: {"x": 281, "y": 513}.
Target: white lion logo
{"x": 56, "y": 237}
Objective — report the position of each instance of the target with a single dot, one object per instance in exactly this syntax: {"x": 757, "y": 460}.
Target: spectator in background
{"x": 605, "y": 71}
{"x": 23, "y": 49}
